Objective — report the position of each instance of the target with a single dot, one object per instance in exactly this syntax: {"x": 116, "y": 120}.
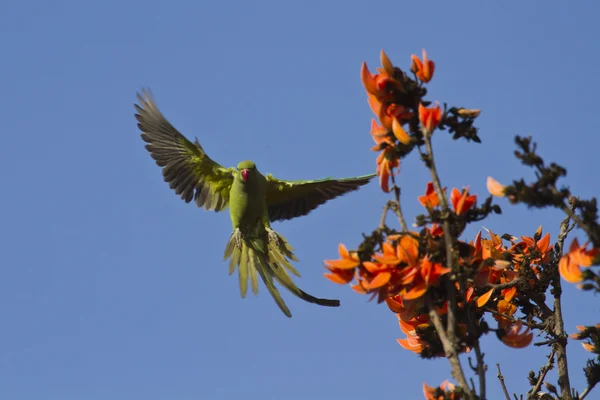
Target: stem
{"x": 398, "y": 209}
{"x": 513, "y": 283}
{"x": 450, "y": 342}
{"x": 386, "y": 208}
{"x": 480, "y": 370}
{"x": 449, "y": 349}
{"x": 501, "y": 378}
{"x": 586, "y": 392}
{"x": 560, "y": 346}
{"x": 543, "y": 371}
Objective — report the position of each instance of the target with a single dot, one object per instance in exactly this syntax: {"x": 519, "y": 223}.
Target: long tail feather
{"x": 271, "y": 263}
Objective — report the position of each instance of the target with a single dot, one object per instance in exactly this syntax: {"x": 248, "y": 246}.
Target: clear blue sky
{"x": 113, "y": 288}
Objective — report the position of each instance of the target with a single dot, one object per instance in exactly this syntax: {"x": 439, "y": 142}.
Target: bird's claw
{"x": 237, "y": 237}
{"x": 273, "y": 237}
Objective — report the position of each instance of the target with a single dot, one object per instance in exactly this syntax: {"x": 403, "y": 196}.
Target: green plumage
{"x": 254, "y": 200}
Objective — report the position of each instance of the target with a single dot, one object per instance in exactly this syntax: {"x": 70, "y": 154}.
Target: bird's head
{"x": 246, "y": 170}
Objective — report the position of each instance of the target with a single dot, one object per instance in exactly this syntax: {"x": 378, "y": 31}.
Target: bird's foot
{"x": 237, "y": 237}
{"x": 274, "y": 237}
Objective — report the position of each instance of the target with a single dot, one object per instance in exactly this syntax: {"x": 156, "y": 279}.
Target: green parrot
{"x": 254, "y": 201}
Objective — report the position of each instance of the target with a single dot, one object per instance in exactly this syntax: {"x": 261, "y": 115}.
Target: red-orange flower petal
{"x": 430, "y": 117}
{"x": 423, "y": 69}
{"x": 462, "y": 202}
{"x": 484, "y": 298}
{"x": 516, "y": 338}
{"x": 399, "y": 132}
{"x": 430, "y": 199}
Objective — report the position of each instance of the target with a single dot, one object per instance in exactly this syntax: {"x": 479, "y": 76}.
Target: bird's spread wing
{"x": 185, "y": 165}
{"x": 290, "y": 199}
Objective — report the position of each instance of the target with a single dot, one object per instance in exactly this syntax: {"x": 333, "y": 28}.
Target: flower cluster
{"x": 571, "y": 263}
{"x": 409, "y": 266}
{"x": 396, "y": 101}
{"x": 447, "y": 292}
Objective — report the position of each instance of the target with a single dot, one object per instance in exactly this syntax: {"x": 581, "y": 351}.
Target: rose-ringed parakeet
{"x": 254, "y": 200}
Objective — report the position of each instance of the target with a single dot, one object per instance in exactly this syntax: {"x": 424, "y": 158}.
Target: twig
{"x": 386, "y": 208}
{"x": 398, "y": 209}
{"x": 586, "y": 392}
{"x": 480, "y": 370}
{"x": 570, "y": 211}
{"x": 500, "y": 286}
{"x": 501, "y": 378}
{"x": 543, "y": 371}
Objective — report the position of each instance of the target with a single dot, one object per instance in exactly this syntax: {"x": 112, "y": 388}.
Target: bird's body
{"x": 254, "y": 201}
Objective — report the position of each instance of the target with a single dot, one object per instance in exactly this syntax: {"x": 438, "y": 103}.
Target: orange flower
{"x": 399, "y": 131}
{"x": 516, "y": 338}
{"x": 405, "y": 309}
{"x": 380, "y": 85}
{"x": 431, "y": 199}
{"x": 494, "y": 187}
{"x": 375, "y": 84}
{"x": 342, "y": 270}
{"x": 423, "y": 69}
{"x": 386, "y": 162}
{"x": 380, "y": 136}
{"x": 386, "y": 112}
{"x": 462, "y": 202}
{"x": 387, "y": 65}
{"x": 430, "y": 117}
{"x": 413, "y": 342}
{"x": 577, "y": 336}
{"x": 578, "y": 256}
{"x": 529, "y": 244}
{"x": 593, "y": 333}
{"x": 481, "y": 300}
{"x": 445, "y": 391}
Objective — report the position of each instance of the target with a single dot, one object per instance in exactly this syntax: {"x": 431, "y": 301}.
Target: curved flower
{"x": 342, "y": 270}
{"x": 399, "y": 132}
{"x": 386, "y": 162}
{"x": 430, "y": 117}
{"x": 515, "y": 337}
{"x": 386, "y": 111}
{"x": 423, "y": 69}
{"x": 380, "y": 136}
{"x": 578, "y": 256}
{"x": 430, "y": 199}
{"x": 462, "y": 202}
{"x": 379, "y": 85}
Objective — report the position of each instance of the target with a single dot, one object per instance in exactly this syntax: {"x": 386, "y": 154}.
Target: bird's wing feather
{"x": 185, "y": 166}
{"x": 290, "y": 199}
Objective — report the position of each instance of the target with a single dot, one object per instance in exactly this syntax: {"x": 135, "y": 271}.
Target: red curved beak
{"x": 245, "y": 173}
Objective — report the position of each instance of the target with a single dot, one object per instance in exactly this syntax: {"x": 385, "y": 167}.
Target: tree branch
{"x": 543, "y": 371}
{"x": 560, "y": 346}
{"x": 501, "y": 378}
{"x": 449, "y": 349}
{"x": 398, "y": 209}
